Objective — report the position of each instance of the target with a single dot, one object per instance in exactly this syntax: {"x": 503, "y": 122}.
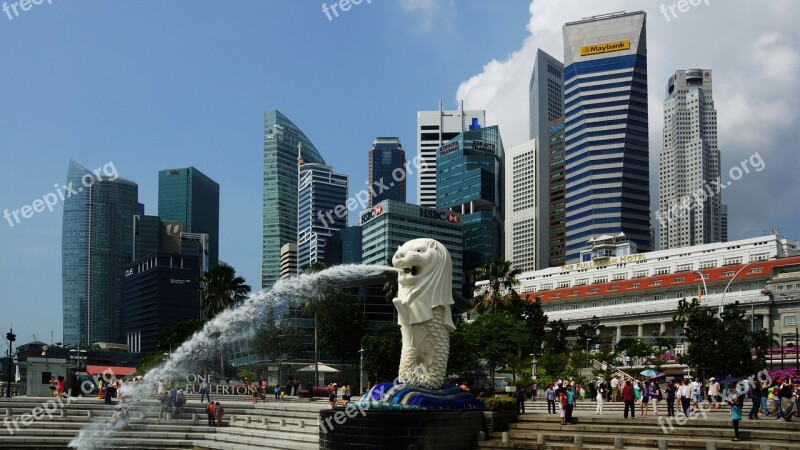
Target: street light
{"x": 703, "y": 279}
{"x": 11, "y": 338}
{"x": 731, "y": 281}
{"x": 361, "y": 372}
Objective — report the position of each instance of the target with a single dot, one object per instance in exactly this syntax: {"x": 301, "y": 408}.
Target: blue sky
{"x": 154, "y": 85}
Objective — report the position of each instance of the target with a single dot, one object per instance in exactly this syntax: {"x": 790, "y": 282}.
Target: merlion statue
{"x": 423, "y": 302}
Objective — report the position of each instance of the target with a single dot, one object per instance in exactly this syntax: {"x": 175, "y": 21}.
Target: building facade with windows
{"x": 606, "y": 130}
{"x": 523, "y": 217}
{"x": 688, "y": 163}
{"x": 470, "y": 174}
{"x": 557, "y": 233}
{"x": 321, "y": 194}
{"x": 390, "y": 224}
{"x": 635, "y": 294}
{"x": 189, "y": 197}
{"x": 435, "y": 128}
{"x": 387, "y": 170}
{"x": 281, "y": 140}
{"x": 96, "y": 244}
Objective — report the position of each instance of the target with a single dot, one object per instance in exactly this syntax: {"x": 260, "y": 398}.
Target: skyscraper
{"x": 281, "y": 138}
{"x": 190, "y": 197}
{"x": 522, "y": 218}
{"x": 546, "y": 97}
{"x": 606, "y": 135}
{"x": 435, "y": 128}
{"x": 96, "y": 244}
{"x": 321, "y": 195}
{"x": 689, "y": 161}
{"x": 469, "y": 171}
{"x": 557, "y": 227}
{"x": 387, "y": 173}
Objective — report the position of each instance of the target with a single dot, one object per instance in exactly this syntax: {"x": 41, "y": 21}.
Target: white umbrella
{"x": 321, "y": 368}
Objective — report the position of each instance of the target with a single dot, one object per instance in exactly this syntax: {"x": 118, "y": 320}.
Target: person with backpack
{"x": 786, "y": 394}
{"x": 277, "y": 392}
{"x": 520, "y": 397}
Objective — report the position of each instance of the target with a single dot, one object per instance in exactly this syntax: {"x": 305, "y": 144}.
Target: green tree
{"x": 535, "y": 321}
{"x": 389, "y": 283}
{"x": 171, "y": 338}
{"x": 220, "y": 288}
{"x": 382, "y": 353}
{"x": 555, "y": 340}
{"x": 588, "y": 333}
{"x": 278, "y": 339}
{"x": 494, "y": 339}
{"x": 494, "y": 296}
{"x": 462, "y": 359}
{"x": 340, "y": 320}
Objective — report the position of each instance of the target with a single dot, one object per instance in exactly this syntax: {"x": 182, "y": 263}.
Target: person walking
{"x": 562, "y": 401}
{"x": 571, "y": 398}
{"x": 697, "y": 391}
{"x": 204, "y": 391}
{"x": 671, "y": 391}
{"x": 210, "y": 412}
{"x": 550, "y": 395}
{"x": 713, "y": 393}
{"x": 277, "y": 392}
{"x": 628, "y": 398}
{"x": 655, "y": 396}
{"x": 601, "y": 393}
{"x": 735, "y": 403}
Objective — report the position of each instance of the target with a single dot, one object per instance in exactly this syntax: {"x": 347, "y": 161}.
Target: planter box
{"x": 497, "y": 421}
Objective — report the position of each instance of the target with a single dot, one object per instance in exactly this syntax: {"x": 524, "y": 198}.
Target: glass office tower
{"x": 321, "y": 196}
{"x": 387, "y": 173}
{"x": 606, "y": 135}
{"x": 96, "y": 244}
{"x": 281, "y": 140}
{"x": 190, "y": 197}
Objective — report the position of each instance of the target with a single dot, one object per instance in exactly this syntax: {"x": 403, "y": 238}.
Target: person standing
{"x": 562, "y": 401}
{"x": 628, "y": 398}
{"x": 671, "y": 390}
{"x": 615, "y": 389}
{"x": 755, "y": 393}
{"x": 219, "y": 411}
{"x": 713, "y": 393}
{"x": 571, "y": 397}
{"x": 520, "y": 396}
{"x": 601, "y": 393}
{"x": 786, "y": 394}
{"x": 697, "y": 392}
{"x": 686, "y": 396}
{"x": 277, "y": 392}
{"x": 736, "y": 402}
{"x": 210, "y": 412}
{"x": 550, "y": 395}
{"x": 655, "y": 396}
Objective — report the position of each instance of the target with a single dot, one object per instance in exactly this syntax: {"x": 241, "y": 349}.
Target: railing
{"x": 602, "y": 365}
{"x": 16, "y": 389}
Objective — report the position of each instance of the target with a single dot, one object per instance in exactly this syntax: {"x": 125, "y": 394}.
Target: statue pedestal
{"x": 371, "y": 429}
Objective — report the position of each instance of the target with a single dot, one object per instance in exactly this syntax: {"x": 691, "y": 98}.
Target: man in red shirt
{"x": 628, "y": 398}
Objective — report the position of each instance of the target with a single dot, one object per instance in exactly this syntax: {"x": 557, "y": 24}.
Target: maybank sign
{"x": 605, "y": 47}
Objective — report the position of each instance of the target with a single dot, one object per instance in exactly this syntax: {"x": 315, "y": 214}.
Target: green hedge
{"x": 499, "y": 404}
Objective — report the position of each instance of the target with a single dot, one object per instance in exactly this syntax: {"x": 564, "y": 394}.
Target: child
{"x": 736, "y": 403}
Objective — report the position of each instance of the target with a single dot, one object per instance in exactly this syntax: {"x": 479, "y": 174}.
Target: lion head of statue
{"x": 427, "y": 273}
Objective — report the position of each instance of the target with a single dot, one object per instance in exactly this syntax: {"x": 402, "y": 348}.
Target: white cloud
{"x": 754, "y": 52}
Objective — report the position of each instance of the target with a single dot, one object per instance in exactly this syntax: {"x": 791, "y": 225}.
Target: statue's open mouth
{"x": 412, "y": 270}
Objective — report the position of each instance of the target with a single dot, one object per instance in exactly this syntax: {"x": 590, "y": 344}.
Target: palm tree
{"x": 220, "y": 288}
{"x": 498, "y": 293}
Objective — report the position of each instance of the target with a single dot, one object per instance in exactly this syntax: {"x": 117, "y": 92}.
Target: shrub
{"x": 499, "y": 404}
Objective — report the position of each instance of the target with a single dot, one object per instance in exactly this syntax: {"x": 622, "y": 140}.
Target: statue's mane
{"x": 436, "y": 287}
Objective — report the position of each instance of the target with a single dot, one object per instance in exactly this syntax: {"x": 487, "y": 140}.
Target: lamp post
{"x": 11, "y": 338}
{"x": 703, "y": 279}
{"x": 361, "y": 371}
{"x": 731, "y": 281}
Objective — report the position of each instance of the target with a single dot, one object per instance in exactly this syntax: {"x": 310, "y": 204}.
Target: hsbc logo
{"x": 439, "y": 215}
{"x": 371, "y": 214}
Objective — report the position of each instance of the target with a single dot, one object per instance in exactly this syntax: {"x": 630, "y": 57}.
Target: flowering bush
{"x": 499, "y": 404}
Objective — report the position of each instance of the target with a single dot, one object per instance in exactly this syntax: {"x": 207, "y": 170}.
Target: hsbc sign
{"x": 371, "y": 214}
{"x": 439, "y": 215}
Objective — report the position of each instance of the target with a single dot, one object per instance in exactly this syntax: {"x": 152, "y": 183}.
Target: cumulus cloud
{"x": 755, "y": 90}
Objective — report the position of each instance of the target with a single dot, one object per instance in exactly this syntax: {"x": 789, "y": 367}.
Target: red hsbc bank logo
{"x": 453, "y": 218}
{"x": 378, "y": 210}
